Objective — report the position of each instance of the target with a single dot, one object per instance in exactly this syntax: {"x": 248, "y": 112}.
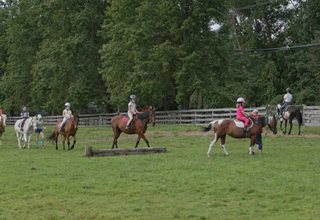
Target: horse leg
{"x": 214, "y": 140}
{"x": 29, "y": 138}
{"x": 18, "y": 137}
{"x": 252, "y": 143}
{"x": 68, "y": 141}
{"x": 281, "y": 125}
{"x": 25, "y": 140}
{"x": 56, "y": 139}
{"x": 285, "y": 126}
{"x": 290, "y": 123}
{"x": 63, "y": 142}
{"x": 74, "y": 142}
{"x": 138, "y": 140}
{"x": 116, "y": 134}
{"x": 144, "y": 138}
{"x": 223, "y": 141}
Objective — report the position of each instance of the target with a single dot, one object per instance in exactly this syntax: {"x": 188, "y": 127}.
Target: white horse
{"x": 3, "y": 120}
{"x": 25, "y": 134}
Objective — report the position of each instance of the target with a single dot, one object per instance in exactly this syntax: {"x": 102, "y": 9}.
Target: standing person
{"x": 24, "y": 115}
{"x": 255, "y": 115}
{"x": 67, "y": 114}
{"x": 132, "y": 110}
{"x": 287, "y": 100}
{"x": 241, "y": 115}
{"x": 39, "y": 131}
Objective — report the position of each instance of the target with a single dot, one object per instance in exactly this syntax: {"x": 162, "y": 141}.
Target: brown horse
{"x": 3, "y": 119}
{"x": 138, "y": 126}
{"x": 224, "y": 127}
{"x": 69, "y": 130}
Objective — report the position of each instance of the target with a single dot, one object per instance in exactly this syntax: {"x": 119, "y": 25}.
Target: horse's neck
{"x": 28, "y": 125}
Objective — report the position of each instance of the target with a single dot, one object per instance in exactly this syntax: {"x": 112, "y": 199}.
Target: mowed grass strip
{"x": 282, "y": 183}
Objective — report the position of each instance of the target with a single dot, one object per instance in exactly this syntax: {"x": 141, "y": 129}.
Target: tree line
{"x": 171, "y": 53}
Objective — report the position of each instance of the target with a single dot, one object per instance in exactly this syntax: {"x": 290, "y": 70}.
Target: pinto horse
{"x": 224, "y": 127}
{"x": 69, "y": 130}
{"x": 138, "y": 126}
{"x": 289, "y": 113}
{"x": 3, "y": 119}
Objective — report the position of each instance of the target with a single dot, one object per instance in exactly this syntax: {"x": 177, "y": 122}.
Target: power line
{"x": 275, "y": 49}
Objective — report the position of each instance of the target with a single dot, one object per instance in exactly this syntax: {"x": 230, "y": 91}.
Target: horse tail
{"x": 51, "y": 137}
{"x": 299, "y": 116}
{"x": 206, "y": 129}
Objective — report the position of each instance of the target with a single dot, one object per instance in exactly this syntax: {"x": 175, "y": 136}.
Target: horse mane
{"x": 143, "y": 115}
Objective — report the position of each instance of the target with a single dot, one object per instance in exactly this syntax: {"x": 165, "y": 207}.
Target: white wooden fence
{"x": 311, "y": 115}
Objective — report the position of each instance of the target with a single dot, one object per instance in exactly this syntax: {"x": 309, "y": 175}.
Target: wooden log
{"x": 90, "y": 152}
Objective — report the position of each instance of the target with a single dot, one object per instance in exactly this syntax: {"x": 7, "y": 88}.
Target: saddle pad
{"x": 125, "y": 119}
{"x": 240, "y": 124}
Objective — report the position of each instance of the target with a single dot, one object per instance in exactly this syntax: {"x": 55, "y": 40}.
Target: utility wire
{"x": 275, "y": 49}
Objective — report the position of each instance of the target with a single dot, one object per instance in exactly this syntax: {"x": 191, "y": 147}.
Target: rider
{"x": 241, "y": 115}
{"x": 67, "y": 114}
{"x": 287, "y": 100}
{"x": 132, "y": 109}
{"x": 24, "y": 115}
{"x": 39, "y": 130}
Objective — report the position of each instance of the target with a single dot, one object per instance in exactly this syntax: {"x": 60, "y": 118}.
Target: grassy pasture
{"x": 282, "y": 183}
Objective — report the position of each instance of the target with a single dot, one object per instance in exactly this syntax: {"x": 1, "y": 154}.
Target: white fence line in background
{"x": 311, "y": 116}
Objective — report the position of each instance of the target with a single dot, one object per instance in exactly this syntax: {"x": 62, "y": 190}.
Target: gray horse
{"x": 25, "y": 133}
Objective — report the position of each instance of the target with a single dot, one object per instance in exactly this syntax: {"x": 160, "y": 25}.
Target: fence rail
{"x": 311, "y": 115}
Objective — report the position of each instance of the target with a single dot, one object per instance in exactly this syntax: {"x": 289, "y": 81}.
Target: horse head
{"x": 76, "y": 119}
{"x": 152, "y": 114}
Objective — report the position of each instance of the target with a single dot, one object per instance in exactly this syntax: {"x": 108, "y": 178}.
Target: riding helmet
{"x": 288, "y": 90}
{"x": 133, "y": 96}
{"x": 240, "y": 100}
{"x": 67, "y": 104}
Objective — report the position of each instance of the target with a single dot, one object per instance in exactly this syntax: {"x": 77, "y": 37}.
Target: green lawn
{"x": 282, "y": 183}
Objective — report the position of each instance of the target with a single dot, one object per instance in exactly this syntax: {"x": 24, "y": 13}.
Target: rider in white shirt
{"x": 287, "y": 99}
{"x": 132, "y": 109}
{"x": 67, "y": 114}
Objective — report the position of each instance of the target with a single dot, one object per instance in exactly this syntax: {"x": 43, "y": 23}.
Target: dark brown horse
{"x": 69, "y": 130}
{"x": 3, "y": 119}
{"x": 288, "y": 114}
{"x": 138, "y": 126}
{"x": 224, "y": 127}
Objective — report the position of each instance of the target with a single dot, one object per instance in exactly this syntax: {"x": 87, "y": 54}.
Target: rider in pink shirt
{"x": 241, "y": 115}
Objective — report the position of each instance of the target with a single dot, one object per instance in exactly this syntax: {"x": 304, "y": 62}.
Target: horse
{"x": 25, "y": 133}
{"x": 69, "y": 130}
{"x": 3, "y": 120}
{"x": 234, "y": 128}
{"x": 138, "y": 126}
{"x": 289, "y": 113}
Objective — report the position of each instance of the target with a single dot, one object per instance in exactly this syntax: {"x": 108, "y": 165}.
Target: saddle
{"x": 240, "y": 124}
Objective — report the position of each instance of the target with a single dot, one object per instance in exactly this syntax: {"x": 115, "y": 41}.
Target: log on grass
{"x": 90, "y": 152}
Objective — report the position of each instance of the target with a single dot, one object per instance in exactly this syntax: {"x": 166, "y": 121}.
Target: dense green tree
{"x": 66, "y": 67}
{"x": 161, "y": 50}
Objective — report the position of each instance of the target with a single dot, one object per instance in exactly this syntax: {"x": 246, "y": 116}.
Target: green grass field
{"x": 282, "y": 183}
